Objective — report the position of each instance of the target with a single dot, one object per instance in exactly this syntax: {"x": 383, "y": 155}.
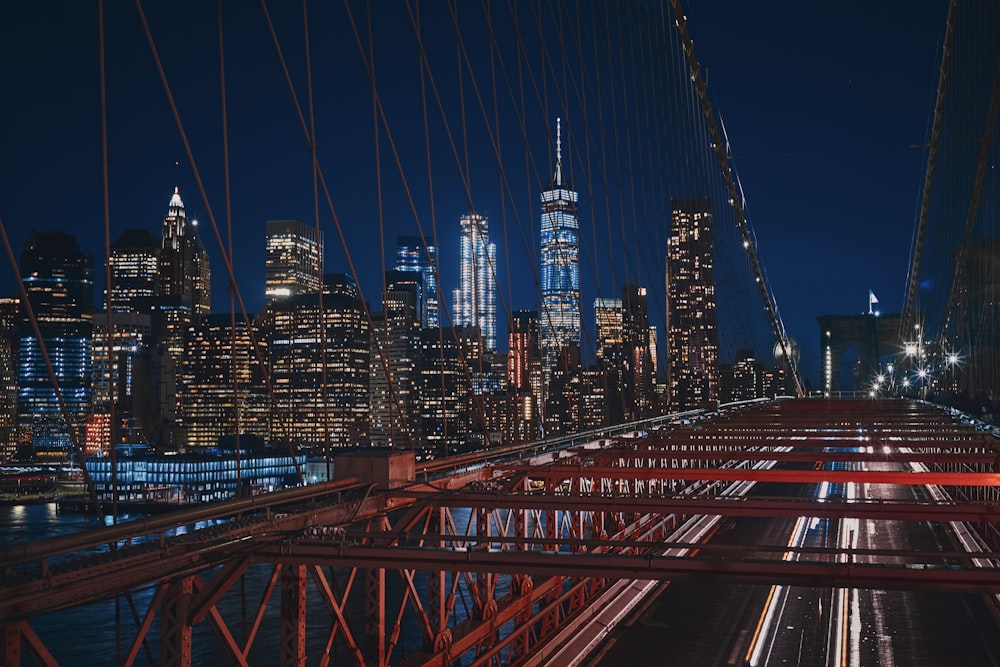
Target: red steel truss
{"x": 484, "y": 560}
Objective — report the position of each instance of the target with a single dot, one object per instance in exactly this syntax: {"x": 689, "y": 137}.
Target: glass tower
{"x": 560, "y": 270}
{"x": 413, "y": 255}
{"x": 476, "y": 296}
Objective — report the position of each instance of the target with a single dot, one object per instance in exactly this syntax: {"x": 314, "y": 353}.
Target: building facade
{"x": 135, "y": 271}
{"x": 58, "y": 278}
{"x": 320, "y": 364}
{"x": 293, "y": 259}
{"x": 220, "y": 383}
{"x": 394, "y": 410}
{"x": 692, "y": 318}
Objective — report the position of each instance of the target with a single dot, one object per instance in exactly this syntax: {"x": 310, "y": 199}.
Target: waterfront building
{"x": 475, "y": 299}
{"x": 412, "y": 254}
{"x": 293, "y": 259}
{"x": 192, "y": 478}
{"x": 692, "y": 319}
{"x": 560, "y": 267}
{"x": 58, "y": 278}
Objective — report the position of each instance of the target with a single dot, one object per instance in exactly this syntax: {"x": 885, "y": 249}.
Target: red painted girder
{"x": 646, "y": 566}
{"x": 737, "y": 454}
{"x": 757, "y": 439}
{"x": 689, "y": 506}
{"x": 715, "y": 551}
{"x": 561, "y": 472}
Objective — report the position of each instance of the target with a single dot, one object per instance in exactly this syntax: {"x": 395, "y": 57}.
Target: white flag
{"x": 872, "y": 299}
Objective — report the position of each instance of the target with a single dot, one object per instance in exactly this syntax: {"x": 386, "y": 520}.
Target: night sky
{"x": 827, "y": 108}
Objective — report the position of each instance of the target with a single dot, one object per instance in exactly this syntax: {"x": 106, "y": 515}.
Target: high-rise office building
{"x": 293, "y": 259}
{"x": 522, "y": 349}
{"x": 132, "y": 335}
{"x": 184, "y": 285}
{"x": 692, "y": 319}
{"x": 560, "y": 266}
{"x": 395, "y": 414}
{"x": 305, "y": 411}
{"x": 608, "y": 320}
{"x": 476, "y": 296}
{"x": 413, "y": 255}
{"x": 135, "y": 270}
{"x": 58, "y": 278}
{"x": 10, "y": 315}
{"x": 445, "y": 393}
{"x": 524, "y": 366}
{"x": 219, "y": 383}
{"x": 637, "y": 365}
{"x": 184, "y": 268}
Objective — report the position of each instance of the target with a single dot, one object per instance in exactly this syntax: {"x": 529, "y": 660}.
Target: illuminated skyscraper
{"x": 560, "y": 266}
{"x": 445, "y": 393}
{"x": 476, "y": 296}
{"x": 184, "y": 269}
{"x": 637, "y": 365}
{"x": 608, "y": 320}
{"x": 135, "y": 269}
{"x": 305, "y": 412}
{"x": 58, "y": 277}
{"x": 522, "y": 349}
{"x": 293, "y": 259}
{"x": 10, "y": 311}
{"x": 692, "y": 320}
{"x": 524, "y": 368}
{"x": 413, "y": 255}
{"x": 184, "y": 286}
{"x": 132, "y": 334}
{"x": 220, "y": 382}
{"x": 395, "y": 413}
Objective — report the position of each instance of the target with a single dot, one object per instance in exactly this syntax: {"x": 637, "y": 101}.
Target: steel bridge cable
{"x": 909, "y": 305}
{"x": 736, "y": 204}
{"x": 109, "y": 321}
{"x": 229, "y": 238}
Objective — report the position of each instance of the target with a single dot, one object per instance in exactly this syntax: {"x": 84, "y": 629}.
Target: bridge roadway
{"x": 717, "y": 623}
{"x": 541, "y": 541}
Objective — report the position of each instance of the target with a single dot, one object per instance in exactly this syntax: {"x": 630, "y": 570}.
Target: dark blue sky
{"x": 827, "y": 109}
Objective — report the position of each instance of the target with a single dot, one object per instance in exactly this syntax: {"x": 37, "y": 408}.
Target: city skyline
{"x": 890, "y": 141}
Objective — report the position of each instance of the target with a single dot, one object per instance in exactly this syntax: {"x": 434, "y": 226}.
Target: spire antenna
{"x": 558, "y": 178}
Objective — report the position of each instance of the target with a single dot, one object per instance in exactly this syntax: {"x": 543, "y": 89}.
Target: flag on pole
{"x": 872, "y": 300}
